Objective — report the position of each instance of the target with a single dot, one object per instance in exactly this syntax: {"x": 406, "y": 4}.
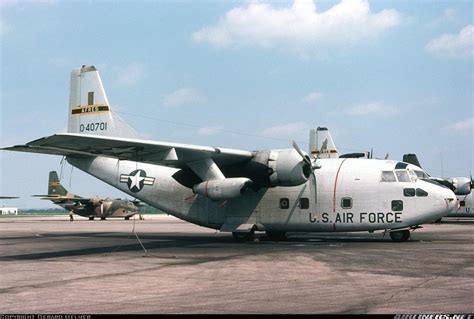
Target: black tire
{"x": 102, "y": 218}
{"x": 127, "y": 217}
{"x": 400, "y": 235}
{"x": 438, "y": 221}
{"x": 91, "y": 217}
{"x": 241, "y": 237}
{"x": 276, "y": 235}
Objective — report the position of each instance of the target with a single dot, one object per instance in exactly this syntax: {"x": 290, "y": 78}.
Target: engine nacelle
{"x": 461, "y": 185}
{"x": 287, "y": 168}
{"x": 227, "y": 188}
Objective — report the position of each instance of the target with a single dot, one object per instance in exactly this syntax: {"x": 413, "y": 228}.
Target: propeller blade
{"x": 386, "y": 156}
{"x": 305, "y": 157}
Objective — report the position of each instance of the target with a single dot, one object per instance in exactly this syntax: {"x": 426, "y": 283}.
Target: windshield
{"x": 421, "y": 174}
{"x": 403, "y": 176}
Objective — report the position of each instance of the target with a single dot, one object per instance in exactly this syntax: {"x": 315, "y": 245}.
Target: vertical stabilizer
{"x": 54, "y": 185}
{"x": 321, "y": 144}
{"x": 89, "y": 109}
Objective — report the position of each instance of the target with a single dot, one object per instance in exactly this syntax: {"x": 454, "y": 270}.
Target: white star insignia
{"x": 136, "y": 180}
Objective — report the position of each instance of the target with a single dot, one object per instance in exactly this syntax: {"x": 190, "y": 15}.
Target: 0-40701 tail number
{"x": 92, "y": 127}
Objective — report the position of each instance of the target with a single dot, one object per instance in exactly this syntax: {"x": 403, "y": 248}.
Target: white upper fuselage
{"x": 369, "y": 203}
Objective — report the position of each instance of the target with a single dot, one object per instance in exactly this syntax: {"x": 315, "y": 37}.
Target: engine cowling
{"x": 287, "y": 168}
{"x": 227, "y": 188}
{"x": 461, "y": 185}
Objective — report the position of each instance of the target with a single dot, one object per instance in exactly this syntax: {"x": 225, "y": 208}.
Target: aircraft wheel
{"x": 438, "y": 221}
{"x": 91, "y": 217}
{"x": 243, "y": 236}
{"x": 400, "y": 235}
{"x": 102, "y": 218}
{"x": 127, "y": 217}
{"x": 276, "y": 235}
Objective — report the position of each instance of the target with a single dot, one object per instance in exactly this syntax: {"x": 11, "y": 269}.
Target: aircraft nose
{"x": 449, "y": 198}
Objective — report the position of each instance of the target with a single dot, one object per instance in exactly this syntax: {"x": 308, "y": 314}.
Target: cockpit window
{"x": 421, "y": 174}
{"x": 403, "y": 176}
{"x": 413, "y": 176}
{"x": 388, "y": 176}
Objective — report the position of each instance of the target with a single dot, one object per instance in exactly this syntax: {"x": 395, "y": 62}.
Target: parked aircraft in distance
{"x": 88, "y": 207}
{"x": 276, "y": 191}
{"x": 461, "y": 186}
{"x": 8, "y": 197}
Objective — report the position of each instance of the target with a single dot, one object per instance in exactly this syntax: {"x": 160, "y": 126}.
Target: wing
{"x": 153, "y": 152}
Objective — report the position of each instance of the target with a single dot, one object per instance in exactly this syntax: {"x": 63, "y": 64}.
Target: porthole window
{"x": 284, "y": 203}
{"x": 421, "y": 193}
{"x": 346, "y": 202}
{"x": 397, "y": 205}
{"x": 409, "y": 192}
{"x": 304, "y": 203}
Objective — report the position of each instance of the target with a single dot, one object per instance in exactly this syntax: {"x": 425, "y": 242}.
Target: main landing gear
{"x": 91, "y": 217}
{"x": 241, "y": 237}
{"x": 400, "y": 235}
{"x": 276, "y": 235}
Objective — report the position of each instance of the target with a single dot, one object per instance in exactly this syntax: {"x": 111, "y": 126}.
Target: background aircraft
{"x": 88, "y": 207}
{"x": 238, "y": 191}
{"x": 461, "y": 186}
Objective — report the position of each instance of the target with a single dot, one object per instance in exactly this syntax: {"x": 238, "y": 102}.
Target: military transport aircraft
{"x": 276, "y": 191}
{"x": 88, "y": 207}
{"x": 461, "y": 186}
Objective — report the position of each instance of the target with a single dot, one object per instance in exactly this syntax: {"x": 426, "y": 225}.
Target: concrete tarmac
{"x": 49, "y": 265}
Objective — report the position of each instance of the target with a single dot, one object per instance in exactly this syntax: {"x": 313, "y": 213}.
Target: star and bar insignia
{"x": 136, "y": 180}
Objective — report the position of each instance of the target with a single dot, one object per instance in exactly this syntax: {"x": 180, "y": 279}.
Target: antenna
{"x": 441, "y": 156}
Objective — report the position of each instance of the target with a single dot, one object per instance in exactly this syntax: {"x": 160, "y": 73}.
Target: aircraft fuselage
{"x": 350, "y": 196}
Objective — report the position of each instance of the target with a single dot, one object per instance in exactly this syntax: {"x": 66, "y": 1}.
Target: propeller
{"x": 311, "y": 163}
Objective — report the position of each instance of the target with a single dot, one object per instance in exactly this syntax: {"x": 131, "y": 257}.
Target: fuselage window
{"x": 304, "y": 203}
{"x": 403, "y": 176}
{"x": 388, "y": 176}
{"x": 462, "y": 203}
{"x": 421, "y": 193}
{"x": 346, "y": 202}
{"x": 284, "y": 203}
{"x": 409, "y": 192}
{"x": 397, "y": 205}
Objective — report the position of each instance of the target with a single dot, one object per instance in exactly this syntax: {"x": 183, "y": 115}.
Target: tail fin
{"x": 54, "y": 185}
{"x": 89, "y": 108}
{"x": 411, "y": 159}
{"x": 321, "y": 144}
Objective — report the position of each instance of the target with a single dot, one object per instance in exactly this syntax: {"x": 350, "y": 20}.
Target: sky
{"x": 395, "y": 76}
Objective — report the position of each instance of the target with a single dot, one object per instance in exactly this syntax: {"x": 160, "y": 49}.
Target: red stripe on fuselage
{"x": 335, "y": 185}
